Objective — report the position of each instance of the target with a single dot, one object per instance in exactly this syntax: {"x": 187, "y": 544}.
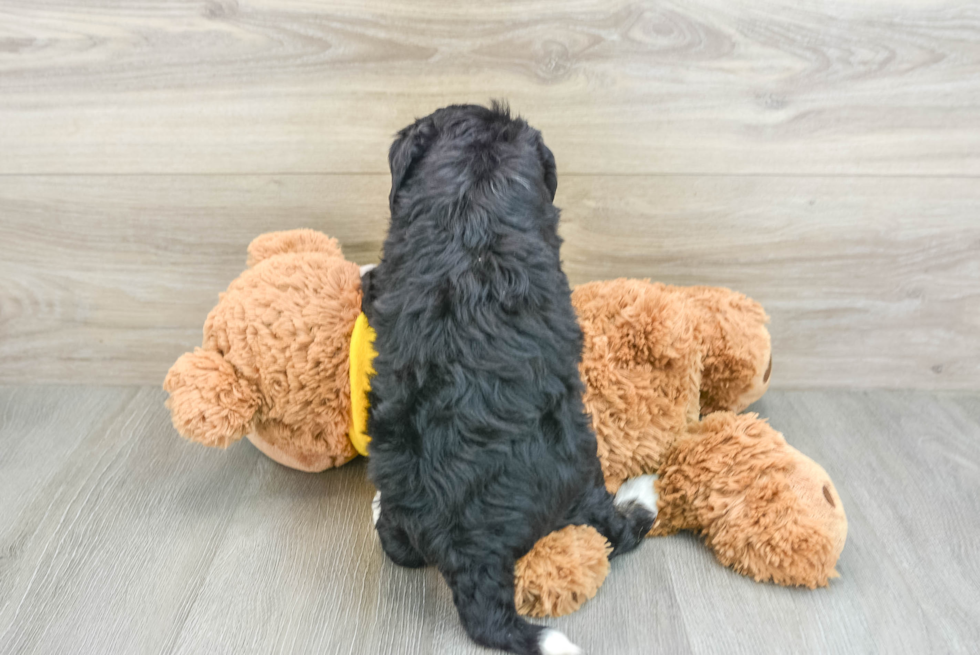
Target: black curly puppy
{"x": 480, "y": 443}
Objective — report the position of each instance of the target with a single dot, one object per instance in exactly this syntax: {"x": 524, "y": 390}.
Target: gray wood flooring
{"x": 116, "y": 536}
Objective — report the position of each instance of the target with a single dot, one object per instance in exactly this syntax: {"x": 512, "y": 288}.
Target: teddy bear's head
{"x": 274, "y": 362}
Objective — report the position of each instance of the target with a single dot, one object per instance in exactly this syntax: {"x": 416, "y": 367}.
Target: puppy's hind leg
{"x": 394, "y": 539}
{"x": 625, "y": 520}
{"x": 639, "y": 490}
{"x": 636, "y": 501}
{"x": 484, "y": 597}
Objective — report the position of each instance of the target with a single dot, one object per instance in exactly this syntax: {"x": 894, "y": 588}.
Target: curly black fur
{"x": 480, "y": 443}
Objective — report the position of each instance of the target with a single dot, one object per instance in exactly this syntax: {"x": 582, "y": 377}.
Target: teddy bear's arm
{"x": 209, "y": 402}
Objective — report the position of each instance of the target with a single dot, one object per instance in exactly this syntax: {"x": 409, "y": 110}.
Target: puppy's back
{"x": 479, "y": 441}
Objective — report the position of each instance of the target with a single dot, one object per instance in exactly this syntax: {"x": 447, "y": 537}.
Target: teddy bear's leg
{"x": 765, "y": 509}
{"x": 738, "y": 351}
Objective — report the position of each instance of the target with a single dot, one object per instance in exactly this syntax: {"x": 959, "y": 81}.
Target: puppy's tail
{"x": 484, "y": 597}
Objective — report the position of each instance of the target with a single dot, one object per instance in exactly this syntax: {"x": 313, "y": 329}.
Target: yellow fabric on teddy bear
{"x": 362, "y": 354}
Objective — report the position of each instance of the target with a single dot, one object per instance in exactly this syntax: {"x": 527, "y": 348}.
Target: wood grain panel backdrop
{"x": 821, "y": 157}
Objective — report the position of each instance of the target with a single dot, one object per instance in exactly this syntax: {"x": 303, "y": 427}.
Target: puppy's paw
{"x": 639, "y": 490}
{"x": 376, "y": 507}
{"x": 553, "y": 642}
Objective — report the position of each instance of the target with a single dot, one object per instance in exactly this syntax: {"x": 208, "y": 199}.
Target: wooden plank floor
{"x": 116, "y": 536}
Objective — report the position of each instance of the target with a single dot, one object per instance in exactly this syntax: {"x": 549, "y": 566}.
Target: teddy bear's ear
{"x": 209, "y": 403}
{"x": 291, "y": 241}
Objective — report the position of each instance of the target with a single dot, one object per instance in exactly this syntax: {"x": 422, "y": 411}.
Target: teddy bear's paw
{"x": 376, "y": 507}
{"x": 553, "y": 642}
{"x": 209, "y": 401}
{"x": 561, "y": 572}
{"x": 639, "y": 490}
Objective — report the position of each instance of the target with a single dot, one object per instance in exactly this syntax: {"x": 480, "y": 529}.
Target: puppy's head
{"x": 469, "y": 150}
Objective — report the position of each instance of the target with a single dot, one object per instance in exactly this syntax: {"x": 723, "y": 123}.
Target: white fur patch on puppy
{"x": 376, "y": 507}
{"x": 555, "y": 643}
{"x": 640, "y": 490}
{"x": 367, "y": 267}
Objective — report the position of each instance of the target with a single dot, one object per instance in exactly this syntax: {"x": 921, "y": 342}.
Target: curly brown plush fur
{"x": 763, "y": 508}
{"x": 564, "y": 569}
{"x": 275, "y": 355}
{"x": 736, "y": 358}
{"x": 642, "y": 369}
{"x": 658, "y": 357}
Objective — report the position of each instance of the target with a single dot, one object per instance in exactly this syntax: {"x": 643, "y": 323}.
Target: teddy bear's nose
{"x": 765, "y": 378}
{"x": 828, "y": 495}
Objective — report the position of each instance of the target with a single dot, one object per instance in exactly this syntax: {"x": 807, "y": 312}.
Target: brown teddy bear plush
{"x": 274, "y": 363}
{"x": 666, "y": 369}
